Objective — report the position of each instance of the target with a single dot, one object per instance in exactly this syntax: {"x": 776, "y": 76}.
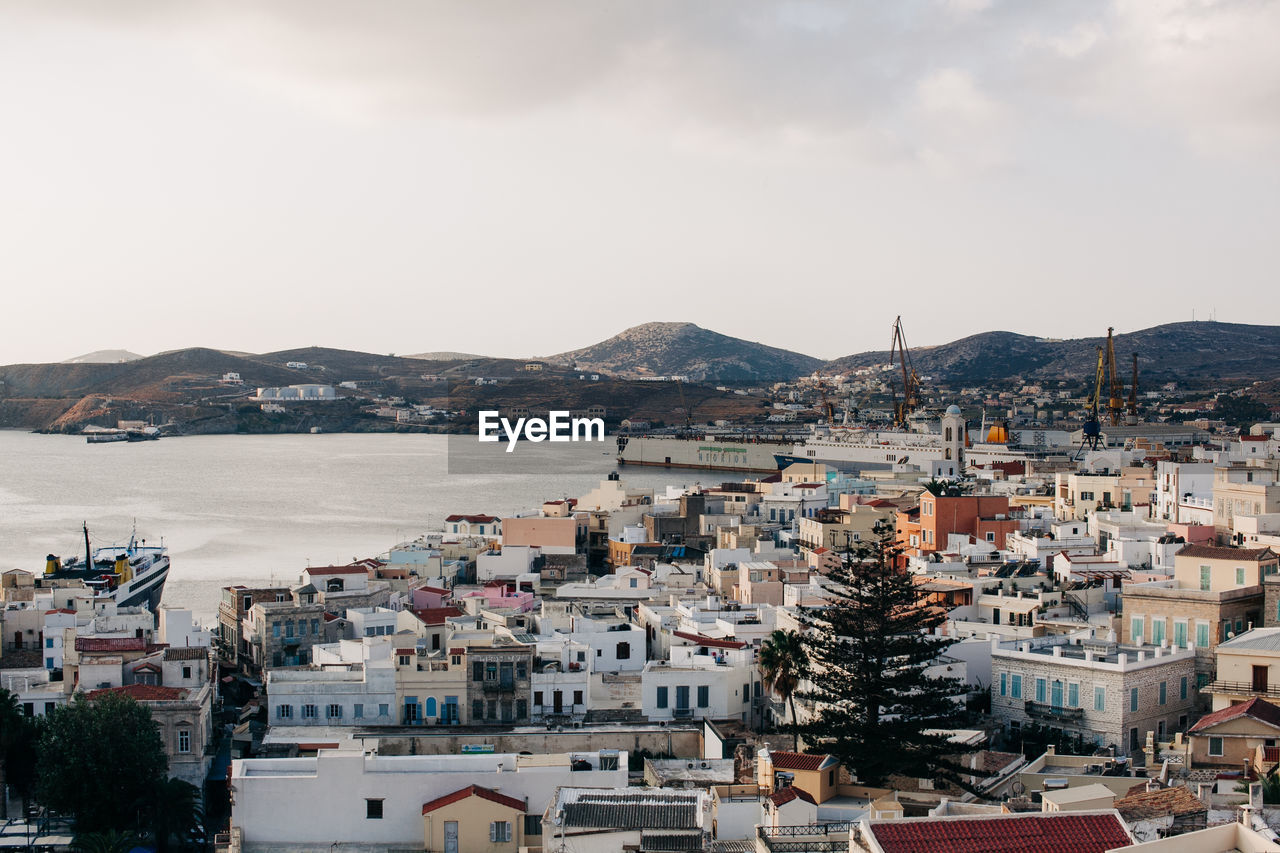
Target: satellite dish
{"x": 1018, "y": 788}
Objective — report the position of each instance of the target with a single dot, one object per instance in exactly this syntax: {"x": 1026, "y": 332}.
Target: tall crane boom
{"x": 1133, "y": 393}
{"x": 910, "y": 379}
{"x": 1115, "y": 402}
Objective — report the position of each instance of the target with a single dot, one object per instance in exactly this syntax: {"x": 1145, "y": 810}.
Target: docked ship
{"x": 108, "y": 436}
{"x": 940, "y": 446}
{"x": 132, "y": 574}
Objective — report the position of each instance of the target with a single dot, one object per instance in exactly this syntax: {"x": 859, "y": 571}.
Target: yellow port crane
{"x": 910, "y": 379}
{"x": 1092, "y": 431}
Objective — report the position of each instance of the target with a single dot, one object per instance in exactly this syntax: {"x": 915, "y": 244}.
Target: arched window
{"x": 334, "y": 585}
{"x": 948, "y": 434}
{"x": 430, "y": 708}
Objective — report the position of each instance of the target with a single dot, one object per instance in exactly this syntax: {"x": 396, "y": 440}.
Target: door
{"x": 1259, "y": 679}
{"x": 1055, "y": 694}
{"x": 557, "y": 701}
{"x": 450, "y": 836}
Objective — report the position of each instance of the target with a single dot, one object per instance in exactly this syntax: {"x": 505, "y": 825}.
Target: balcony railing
{"x": 1053, "y": 712}
{"x": 499, "y": 686}
{"x": 1241, "y": 688}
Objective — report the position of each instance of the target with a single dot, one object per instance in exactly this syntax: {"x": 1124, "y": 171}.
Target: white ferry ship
{"x": 131, "y": 574}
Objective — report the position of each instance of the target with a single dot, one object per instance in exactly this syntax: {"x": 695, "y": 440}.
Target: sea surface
{"x": 260, "y": 508}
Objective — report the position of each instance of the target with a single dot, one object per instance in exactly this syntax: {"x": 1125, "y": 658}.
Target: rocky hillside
{"x": 684, "y": 349}
{"x": 1184, "y": 352}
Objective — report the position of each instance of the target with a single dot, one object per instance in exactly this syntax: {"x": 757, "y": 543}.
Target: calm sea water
{"x": 252, "y": 509}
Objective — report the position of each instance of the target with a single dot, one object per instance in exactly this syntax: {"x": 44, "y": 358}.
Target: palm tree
{"x": 13, "y": 725}
{"x": 110, "y": 841}
{"x": 175, "y": 812}
{"x": 783, "y": 664}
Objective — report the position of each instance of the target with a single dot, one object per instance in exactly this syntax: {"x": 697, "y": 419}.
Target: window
{"x": 373, "y": 809}
{"x": 48, "y": 642}
{"x": 357, "y": 711}
{"x": 1180, "y": 634}
{"x": 48, "y": 663}
{"x": 532, "y": 825}
{"x": 1157, "y": 631}
{"x": 1239, "y": 577}
{"x": 477, "y": 671}
{"x": 500, "y": 830}
{"x": 1136, "y": 626}
{"x": 1133, "y": 699}
{"x": 522, "y": 708}
{"x": 1040, "y": 689}
{"x": 334, "y": 712}
{"x": 991, "y": 536}
{"x": 186, "y": 672}
{"x": 1182, "y": 688}
{"x": 309, "y": 712}
{"x": 1215, "y": 746}
{"x": 1015, "y": 686}
{"x": 384, "y": 710}
{"x": 1004, "y": 683}
{"x": 284, "y": 712}
{"x": 522, "y": 669}
{"x": 1204, "y": 577}
{"x": 1099, "y": 698}
{"x": 662, "y": 697}
{"x": 477, "y": 709}
{"x": 288, "y": 629}
{"x": 1073, "y": 695}
{"x": 1164, "y": 692}
{"x": 577, "y": 697}
{"x": 184, "y": 740}
{"x": 624, "y": 651}
{"x": 537, "y": 697}
{"x": 704, "y": 696}
{"x": 1202, "y": 635}
{"x": 315, "y": 626}
{"x": 275, "y": 630}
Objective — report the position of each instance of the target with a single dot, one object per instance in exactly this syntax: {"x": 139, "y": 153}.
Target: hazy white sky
{"x": 523, "y": 178}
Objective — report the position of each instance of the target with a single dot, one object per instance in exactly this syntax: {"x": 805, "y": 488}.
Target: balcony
{"x": 811, "y": 838}
{"x": 1053, "y": 712}
{"x": 499, "y": 686}
{"x": 1242, "y": 688}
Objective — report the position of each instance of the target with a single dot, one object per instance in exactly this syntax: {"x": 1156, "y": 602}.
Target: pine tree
{"x": 877, "y": 709}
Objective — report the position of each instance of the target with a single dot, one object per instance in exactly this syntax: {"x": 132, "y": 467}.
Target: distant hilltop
{"x": 689, "y": 351}
{"x": 104, "y": 356}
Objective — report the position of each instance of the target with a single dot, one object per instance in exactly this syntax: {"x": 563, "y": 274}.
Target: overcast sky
{"x": 524, "y": 178}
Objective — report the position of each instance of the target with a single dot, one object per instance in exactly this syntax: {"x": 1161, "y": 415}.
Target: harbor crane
{"x": 1115, "y": 402}
{"x": 910, "y": 379}
{"x": 1092, "y": 431}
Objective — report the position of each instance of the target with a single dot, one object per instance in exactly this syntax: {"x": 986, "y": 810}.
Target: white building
{"x": 369, "y": 802}
{"x": 709, "y": 678}
{"x": 349, "y": 683}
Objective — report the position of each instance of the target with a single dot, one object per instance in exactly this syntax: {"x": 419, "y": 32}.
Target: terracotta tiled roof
{"x": 710, "y": 642}
{"x": 1258, "y": 709}
{"x": 473, "y": 519}
{"x": 437, "y": 615}
{"x": 782, "y": 796}
{"x": 336, "y": 570}
{"x": 1032, "y": 833}
{"x": 1216, "y": 552}
{"x": 110, "y": 644}
{"x": 186, "y": 653}
{"x": 1141, "y": 804}
{"x": 60, "y": 610}
{"x": 473, "y": 791}
{"x": 799, "y": 761}
{"x": 143, "y": 692}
